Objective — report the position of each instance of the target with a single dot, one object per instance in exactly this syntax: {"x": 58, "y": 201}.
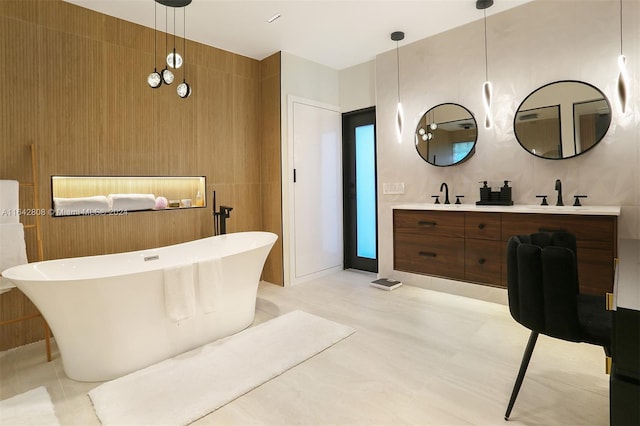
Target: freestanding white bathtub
{"x": 108, "y": 313}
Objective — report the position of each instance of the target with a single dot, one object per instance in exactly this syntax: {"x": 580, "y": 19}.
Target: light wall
{"x": 528, "y": 46}
{"x": 74, "y": 84}
{"x": 301, "y": 79}
{"x": 358, "y": 87}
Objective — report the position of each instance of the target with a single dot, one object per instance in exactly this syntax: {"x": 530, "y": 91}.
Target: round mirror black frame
{"x": 552, "y": 128}
{"x": 426, "y": 135}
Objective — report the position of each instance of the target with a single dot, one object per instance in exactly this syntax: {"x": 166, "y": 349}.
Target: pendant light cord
{"x": 620, "y": 27}
{"x": 166, "y": 28}
{"x": 155, "y": 33}
{"x": 184, "y": 43}
{"x": 486, "y": 60}
{"x": 398, "y": 64}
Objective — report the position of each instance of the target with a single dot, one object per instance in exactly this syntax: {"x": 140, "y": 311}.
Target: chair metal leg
{"x": 533, "y": 337}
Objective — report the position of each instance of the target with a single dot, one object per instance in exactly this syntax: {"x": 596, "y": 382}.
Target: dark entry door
{"x": 360, "y": 196}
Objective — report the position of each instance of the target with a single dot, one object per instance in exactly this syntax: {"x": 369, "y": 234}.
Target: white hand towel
{"x": 131, "y": 202}
{"x": 209, "y": 283}
{"x": 96, "y": 204}
{"x": 13, "y": 250}
{"x": 9, "y": 201}
{"x": 179, "y": 292}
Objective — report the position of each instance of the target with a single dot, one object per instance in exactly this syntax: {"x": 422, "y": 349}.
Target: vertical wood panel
{"x": 270, "y": 171}
{"x": 74, "y": 83}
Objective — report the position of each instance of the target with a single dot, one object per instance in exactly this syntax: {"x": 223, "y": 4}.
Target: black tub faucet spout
{"x": 446, "y": 193}
{"x": 559, "y": 189}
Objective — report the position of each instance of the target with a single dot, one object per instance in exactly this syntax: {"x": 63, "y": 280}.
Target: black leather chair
{"x": 544, "y": 296}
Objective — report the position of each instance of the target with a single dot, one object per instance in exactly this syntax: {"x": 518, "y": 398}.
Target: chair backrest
{"x": 542, "y": 281}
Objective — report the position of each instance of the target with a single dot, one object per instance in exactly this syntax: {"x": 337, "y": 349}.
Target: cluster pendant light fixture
{"x": 487, "y": 88}
{"x": 397, "y": 36}
{"x": 622, "y": 72}
{"x": 174, "y": 60}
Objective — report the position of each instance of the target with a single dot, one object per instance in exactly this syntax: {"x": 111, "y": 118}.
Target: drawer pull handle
{"x": 426, "y": 254}
{"x": 426, "y": 223}
{"x": 481, "y": 226}
{"x": 552, "y": 230}
{"x": 482, "y": 261}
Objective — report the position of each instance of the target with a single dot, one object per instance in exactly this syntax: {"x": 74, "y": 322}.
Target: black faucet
{"x": 446, "y": 194}
{"x": 559, "y": 189}
{"x": 223, "y": 215}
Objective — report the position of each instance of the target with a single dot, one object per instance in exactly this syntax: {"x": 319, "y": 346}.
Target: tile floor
{"x": 418, "y": 357}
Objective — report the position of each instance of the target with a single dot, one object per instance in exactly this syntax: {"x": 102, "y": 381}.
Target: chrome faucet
{"x": 446, "y": 194}
{"x": 559, "y": 189}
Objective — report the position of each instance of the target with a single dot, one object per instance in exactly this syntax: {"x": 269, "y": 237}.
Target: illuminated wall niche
{"x": 117, "y": 195}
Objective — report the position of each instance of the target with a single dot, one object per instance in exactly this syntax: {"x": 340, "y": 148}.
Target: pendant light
{"x": 487, "y": 88}
{"x": 154, "y": 80}
{"x": 183, "y": 89}
{"x": 397, "y": 36}
{"x": 174, "y": 60}
{"x": 622, "y": 73}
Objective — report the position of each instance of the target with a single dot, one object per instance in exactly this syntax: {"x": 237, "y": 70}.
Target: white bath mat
{"x": 183, "y": 389}
{"x": 33, "y": 407}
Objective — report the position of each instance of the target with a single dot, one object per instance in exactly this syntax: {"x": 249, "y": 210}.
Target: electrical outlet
{"x": 393, "y": 188}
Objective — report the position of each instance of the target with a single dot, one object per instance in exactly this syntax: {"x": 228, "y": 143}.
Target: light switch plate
{"x": 393, "y": 188}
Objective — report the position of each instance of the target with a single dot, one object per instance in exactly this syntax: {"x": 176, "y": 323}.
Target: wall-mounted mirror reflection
{"x": 562, "y": 119}
{"x": 446, "y": 135}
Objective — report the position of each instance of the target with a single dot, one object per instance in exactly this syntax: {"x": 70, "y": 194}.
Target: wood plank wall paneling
{"x": 271, "y": 170}
{"x": 74, "y": 83}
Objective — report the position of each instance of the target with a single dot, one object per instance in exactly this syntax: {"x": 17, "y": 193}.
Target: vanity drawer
{"x": 429, "y": 223}
{"x": 590, "y": 231}
{"x": 482, "y": 261}
{"x": 483, "y": 226}
{"x": 595, "y": 240}
{"x": 429, "y": 255}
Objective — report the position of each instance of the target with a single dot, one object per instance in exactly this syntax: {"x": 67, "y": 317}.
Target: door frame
{"x": 351, "y": 260}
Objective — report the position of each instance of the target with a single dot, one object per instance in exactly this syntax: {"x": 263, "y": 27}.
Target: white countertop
{"x": 518, "y": 208}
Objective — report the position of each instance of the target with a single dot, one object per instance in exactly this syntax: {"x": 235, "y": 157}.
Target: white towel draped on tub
{"x": 179, "y": 292}
{"x": 13, "y": 250}
{"x": 9, "y": 201}
{"x": 209, "y": 283}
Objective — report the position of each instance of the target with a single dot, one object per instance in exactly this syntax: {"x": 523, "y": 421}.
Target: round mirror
{"x": 446, "y": 135}
{"x": 562, "y": 119}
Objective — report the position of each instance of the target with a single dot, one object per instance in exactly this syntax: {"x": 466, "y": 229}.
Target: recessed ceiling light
{"x": 273, "y": 18}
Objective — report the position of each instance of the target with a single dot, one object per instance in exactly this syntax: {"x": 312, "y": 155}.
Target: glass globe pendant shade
{"x": 174, "y": 60}
{"x": 433, "y": 125}
{"x": 183, "y": 90}
{"x": 167, "y": 76}
{"x": 421, "y": 131}
{"x": 154, "y": 80}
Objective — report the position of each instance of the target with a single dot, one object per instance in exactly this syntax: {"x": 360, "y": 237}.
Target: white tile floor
{"x": 418, "y": 357}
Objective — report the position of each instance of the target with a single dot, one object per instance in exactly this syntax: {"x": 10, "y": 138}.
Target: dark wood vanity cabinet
{"x": 596, "y": 238}
{"x": 482, "y": 248}
{"x": 471, "y": 246}
{"x": 429, "y": 242}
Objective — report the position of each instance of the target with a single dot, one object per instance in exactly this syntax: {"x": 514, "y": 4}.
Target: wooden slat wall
{"x": 74, "y": 83}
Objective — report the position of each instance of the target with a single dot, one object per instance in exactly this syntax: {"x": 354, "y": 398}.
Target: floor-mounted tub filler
{"x": 117, "y": 313}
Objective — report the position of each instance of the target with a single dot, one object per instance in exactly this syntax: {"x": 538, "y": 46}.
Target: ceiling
{"x": 335, "y": 33}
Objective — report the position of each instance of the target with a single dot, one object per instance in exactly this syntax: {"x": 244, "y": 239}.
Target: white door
{"x": 317, "y": 191}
